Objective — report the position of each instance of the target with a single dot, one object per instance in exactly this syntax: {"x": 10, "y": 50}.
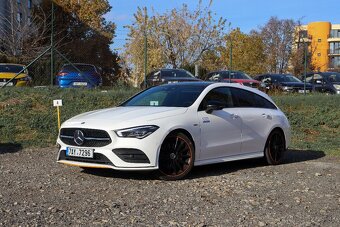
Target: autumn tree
{"x": 175, "y": 39}
{"x": 247, "y": 52}
{"x": 277, "y": 36}
{"x": 82, "y": 34}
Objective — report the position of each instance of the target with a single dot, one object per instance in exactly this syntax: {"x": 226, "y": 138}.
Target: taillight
{"x": 62, "y": 74}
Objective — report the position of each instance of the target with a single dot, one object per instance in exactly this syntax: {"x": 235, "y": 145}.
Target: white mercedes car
{"x": 173, "y": 127}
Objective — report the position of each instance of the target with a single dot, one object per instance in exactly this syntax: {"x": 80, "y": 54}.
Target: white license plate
{"x": 3, "y": 83}
{"x": 79, "y": 152}
{"x": 302, "y": 91}
{"x": 80, "y": 83}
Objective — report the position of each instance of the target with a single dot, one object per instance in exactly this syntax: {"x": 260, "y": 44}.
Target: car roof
{"x": 79, "y": 64}
{"x": 11, "y": 64}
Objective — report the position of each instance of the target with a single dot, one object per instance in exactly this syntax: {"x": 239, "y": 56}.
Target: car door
{"x": 220, "y": 129}
{"x": 256, "y": 119}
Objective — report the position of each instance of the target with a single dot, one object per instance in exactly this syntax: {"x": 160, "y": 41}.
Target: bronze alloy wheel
{"x": 176, "y": 157}
{"x": 275, "y": 148}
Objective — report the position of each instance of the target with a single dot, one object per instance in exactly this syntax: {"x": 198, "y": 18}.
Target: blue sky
{"x": 245, "y": 14}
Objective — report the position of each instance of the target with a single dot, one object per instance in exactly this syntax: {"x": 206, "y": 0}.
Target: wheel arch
{"x": 283, "y": 133}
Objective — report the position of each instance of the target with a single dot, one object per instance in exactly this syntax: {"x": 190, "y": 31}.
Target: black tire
{"x": 275, "y": 148}
{"x": 176, "y": 157}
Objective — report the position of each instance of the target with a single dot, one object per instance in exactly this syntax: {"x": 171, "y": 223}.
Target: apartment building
{"x": 323, "y": 39}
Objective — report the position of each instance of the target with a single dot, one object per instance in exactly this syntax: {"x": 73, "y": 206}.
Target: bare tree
{"x": 22, "y": 33}
{"x": 278, "y": 37}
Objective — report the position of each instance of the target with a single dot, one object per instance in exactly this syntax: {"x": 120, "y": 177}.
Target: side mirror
{"x": 212, "y": 107}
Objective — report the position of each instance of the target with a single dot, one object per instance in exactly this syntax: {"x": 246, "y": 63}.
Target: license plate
{"x": 79, "y": 152}
{"x": 80, "y": 83}
{"x": 3, "y": 83}
{"x": 302, "y": 91}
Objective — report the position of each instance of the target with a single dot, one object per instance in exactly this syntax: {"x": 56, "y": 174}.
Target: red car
{"x": 232, "y": 77}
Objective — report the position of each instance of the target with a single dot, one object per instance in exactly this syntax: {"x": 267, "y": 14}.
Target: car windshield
{"x": 83, "y": 68}
{"x": 11, "y": 68}
{"x": 183, "y": 95}
{"x": 176, "y": 73}
{"x": 285, "y": 78}
{"x": 235, "y": 75}
{"x": 333, "y": 77}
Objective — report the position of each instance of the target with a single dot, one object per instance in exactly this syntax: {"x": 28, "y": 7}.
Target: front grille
{"x": 93, "y": 137}
{"x": 5, "y": 80}
{"x": 97, "y": 158}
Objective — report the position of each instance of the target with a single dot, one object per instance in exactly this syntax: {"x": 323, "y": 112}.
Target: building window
{"x": 303, "y": 34}
{"x": 334, "y": 48}
{"x": 19, "y": 17}
{"x": 319, "y": 54}
{"x": 335, "y": 33}
{"x": 319, "y": 40}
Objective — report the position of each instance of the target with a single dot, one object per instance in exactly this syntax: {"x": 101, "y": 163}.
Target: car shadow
{"x": 291, "y": 156}
{"x": 10, "y": 148}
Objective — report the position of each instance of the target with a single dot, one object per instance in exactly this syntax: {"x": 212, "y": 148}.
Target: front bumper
{"x": 120, "y": 154}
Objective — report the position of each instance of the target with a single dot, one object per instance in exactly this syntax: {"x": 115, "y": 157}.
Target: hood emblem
{"x": 78, "y": 137}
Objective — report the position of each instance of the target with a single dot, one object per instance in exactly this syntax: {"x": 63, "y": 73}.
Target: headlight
{"x": 26, "y": 78}
{"x": 139, "y": 132}
{"x": 287, "y": 88}
{"x": 337, "y": 86}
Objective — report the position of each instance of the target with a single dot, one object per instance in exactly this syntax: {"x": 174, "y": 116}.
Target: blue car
{"x": 78, "y": 75}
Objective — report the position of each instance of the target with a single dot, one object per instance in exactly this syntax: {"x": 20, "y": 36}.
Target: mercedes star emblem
{"x": 78, "y": 137}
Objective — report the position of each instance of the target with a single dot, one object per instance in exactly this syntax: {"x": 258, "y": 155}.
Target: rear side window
{"x": 243, "y": 98}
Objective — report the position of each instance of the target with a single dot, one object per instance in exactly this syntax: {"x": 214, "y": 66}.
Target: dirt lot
{"x": 35, "y": 191}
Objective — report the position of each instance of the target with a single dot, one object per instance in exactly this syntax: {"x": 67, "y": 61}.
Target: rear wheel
{"x": 275, "y": 148}
{"x": 176, "y": 157}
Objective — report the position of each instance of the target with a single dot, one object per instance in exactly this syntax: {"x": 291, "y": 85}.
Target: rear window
{"x": 83, "y": 68}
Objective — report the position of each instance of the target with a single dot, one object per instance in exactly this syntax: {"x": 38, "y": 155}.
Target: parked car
{"x": 284, "y": 82}
{"x": 173, "y": 127}
{"x": 69, "y": 76}
{"x": 8, "y": 71}
{"x": 232, "y": 77}
{"x": 166, "y": 76}
{"x": 328, "y": 82}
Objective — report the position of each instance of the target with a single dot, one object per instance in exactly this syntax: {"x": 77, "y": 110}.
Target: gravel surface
{"x": 36, "y": 191}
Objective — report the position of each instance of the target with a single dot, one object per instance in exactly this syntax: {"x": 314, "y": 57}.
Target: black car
{"x": 166, "y": 76}
{"x": 284, "y": 82}
{"x": 327, "y": 82}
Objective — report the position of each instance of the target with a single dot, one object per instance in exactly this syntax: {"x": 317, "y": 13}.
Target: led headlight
{"x": 139, "y": 132}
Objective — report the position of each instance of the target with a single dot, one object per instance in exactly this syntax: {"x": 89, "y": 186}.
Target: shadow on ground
{"x": 291, "y": 156}
{"x": 9, "y": 148}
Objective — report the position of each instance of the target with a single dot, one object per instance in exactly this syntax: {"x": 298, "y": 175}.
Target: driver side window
{"x": 219, "y": 96}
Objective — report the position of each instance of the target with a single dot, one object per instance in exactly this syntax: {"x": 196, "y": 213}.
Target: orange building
{"x": 323, "y": 40}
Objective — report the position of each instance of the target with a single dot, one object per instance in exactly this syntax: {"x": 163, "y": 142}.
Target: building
{"x": 323, "y": 39}
{"x": 15, "y": 18}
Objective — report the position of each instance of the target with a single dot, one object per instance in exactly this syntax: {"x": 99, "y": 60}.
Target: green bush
{"x": 28, "y": 117}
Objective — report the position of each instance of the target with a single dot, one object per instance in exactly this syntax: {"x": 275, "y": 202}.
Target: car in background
{"x": 232, "y": 77}
{"x": 78, "y": 75}
{"x": 284, "y": 82}
{"x": 173, "y": 127}
{"x": 167, "y": 76}
{"x": 8, "y": 71}
{"x": 327, "y": 82}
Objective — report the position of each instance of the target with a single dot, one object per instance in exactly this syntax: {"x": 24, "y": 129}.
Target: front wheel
{"x": 275, "y": 148}
{"x": 176, "y": 157}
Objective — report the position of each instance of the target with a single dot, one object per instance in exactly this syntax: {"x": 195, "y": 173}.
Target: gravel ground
{"x": 36, "y": 191}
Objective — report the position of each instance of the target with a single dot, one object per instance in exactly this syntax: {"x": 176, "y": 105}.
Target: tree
{"x": 247, "y": 52}
{"x": 21, "y": 37}
{"x": 277, "y": 36}
{"x": 175, "y": 39}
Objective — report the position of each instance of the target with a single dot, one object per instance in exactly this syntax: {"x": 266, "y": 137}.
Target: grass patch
{"x": 29, "y": 119}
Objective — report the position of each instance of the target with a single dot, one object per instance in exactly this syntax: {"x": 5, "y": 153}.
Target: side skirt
{"x": 229, "y": 158}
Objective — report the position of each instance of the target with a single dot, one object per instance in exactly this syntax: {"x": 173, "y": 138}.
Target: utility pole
{"x": 145, "y": 53}
{"x": 305, "y": 69}
{"x": 52, "y": 44}
{"x": 230, "y": 53}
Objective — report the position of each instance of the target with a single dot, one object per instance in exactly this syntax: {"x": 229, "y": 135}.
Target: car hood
{"x": 112, "y": 118}
{"x": 6, "y": 75}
